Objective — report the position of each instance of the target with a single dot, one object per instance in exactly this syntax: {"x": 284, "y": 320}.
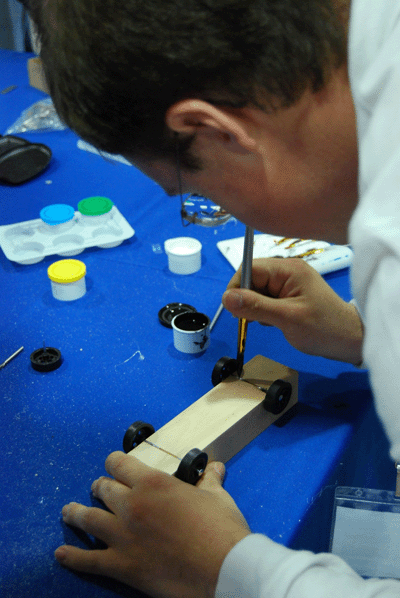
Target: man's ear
{"x": 195, "y": 117}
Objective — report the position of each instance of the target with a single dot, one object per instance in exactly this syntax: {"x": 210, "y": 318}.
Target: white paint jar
{"x": 184, "y": 255}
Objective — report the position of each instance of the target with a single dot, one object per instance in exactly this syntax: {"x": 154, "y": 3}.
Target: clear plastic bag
{"x": 41, "y": 116}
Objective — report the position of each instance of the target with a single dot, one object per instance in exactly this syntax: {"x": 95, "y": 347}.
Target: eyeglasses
{"x": 196, "y": 209}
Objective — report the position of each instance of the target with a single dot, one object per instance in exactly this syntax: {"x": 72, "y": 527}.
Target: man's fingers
{"x": 262, "y": 270}
{"x": 133, "y": 473}
{"x": 243, "y": 303}
{"x": 97, "y": 522}
{"x": 114, "y": 494}
{"x": 234, "y": 283}
{"x": 125, "y": 468}
{"x": 213, "y": 476}
{"x": 233, "y": 301}
{"x": 97, "y": 562}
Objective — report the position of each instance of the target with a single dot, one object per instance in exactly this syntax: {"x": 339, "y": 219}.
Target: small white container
{"x": 95, "y": 211}
{"x": 67, "y": 279}
{"x": 191, "y": 332}
{"x": 184, "y": 255}
{"x": 57, "y": 218}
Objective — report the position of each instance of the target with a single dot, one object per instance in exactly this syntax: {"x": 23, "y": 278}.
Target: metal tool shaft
{"x": 245, "y": 283}
{"x": 2, "y": 365}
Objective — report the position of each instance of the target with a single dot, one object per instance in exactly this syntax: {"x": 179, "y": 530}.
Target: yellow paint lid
{"x": 65, "y": 271}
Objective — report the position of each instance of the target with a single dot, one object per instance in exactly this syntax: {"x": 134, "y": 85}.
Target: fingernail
{"x": 235, "y": 299}
{"x": 65, "y": 512}
{"x": 94, "y": 486}
{"x": 61, "y": 553}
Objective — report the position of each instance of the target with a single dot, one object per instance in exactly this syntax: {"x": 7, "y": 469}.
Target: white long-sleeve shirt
{"x": 257, "y": 567}
{"x": 375, "y": 226}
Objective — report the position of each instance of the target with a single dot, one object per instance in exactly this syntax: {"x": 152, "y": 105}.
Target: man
{"x": 254, "y": 99}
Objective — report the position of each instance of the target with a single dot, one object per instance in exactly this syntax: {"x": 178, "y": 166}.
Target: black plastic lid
{"x": 46, "y": 359}
{"x": 168, "y": 313}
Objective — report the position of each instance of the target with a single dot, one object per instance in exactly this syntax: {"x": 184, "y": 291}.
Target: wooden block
{"x": 221, "y": 422}
{"x": 36, "y": 75}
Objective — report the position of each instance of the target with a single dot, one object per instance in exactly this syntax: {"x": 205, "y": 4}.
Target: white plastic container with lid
{"x": 184, "y": 255}
{"x": 57, "y": 218}
{"x": 95, "y": 210}
{"x": 67, "y": 279}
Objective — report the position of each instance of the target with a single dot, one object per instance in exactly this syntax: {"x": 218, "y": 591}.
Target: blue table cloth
{"x": 120, "y": 365}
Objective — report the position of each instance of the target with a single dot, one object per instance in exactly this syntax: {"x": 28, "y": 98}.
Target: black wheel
{"x": 135, "y": 434}
{"x": 46, "y": 359}
{"x": 226, "y": 366}
{"x": 192, "y": 466}
{"x": 277, "y": 396}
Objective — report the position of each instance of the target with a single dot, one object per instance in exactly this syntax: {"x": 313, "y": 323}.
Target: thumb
{"x": 211, "y": 481}
{"x": 244, "y": 303}
{"x": 212, "y": 477}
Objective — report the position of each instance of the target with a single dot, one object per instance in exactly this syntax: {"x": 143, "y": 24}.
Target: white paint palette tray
{"x": 31, "y": 241}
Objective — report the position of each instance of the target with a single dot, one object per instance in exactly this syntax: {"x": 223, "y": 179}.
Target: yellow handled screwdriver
{"x": 245, "y": 283}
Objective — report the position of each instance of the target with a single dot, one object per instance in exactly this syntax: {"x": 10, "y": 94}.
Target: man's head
{"x": 133, "y": 77}
{"x": 114, "y": 68}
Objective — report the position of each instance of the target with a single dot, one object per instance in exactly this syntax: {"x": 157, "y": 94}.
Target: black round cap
{"x": 168, "y": 313}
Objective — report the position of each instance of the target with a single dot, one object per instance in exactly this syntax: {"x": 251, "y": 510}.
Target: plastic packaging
{"x": 366, "y": 530}
{"x": 41, "y": 116}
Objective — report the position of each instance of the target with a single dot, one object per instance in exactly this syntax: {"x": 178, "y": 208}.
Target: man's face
{"x": 299, "y": 181}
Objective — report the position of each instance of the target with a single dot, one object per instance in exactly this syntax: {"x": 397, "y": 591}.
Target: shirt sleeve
{"x": 257, "y": 567}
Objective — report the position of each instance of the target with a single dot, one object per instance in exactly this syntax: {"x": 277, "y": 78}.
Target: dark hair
{"x": 114, "y": 67}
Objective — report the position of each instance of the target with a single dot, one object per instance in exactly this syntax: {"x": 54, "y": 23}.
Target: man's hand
{"x": 289, "y": 294}
{"x": 164, "y": 537}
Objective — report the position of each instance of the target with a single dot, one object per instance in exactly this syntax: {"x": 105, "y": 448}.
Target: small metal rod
{"x": 160, "y": 449}
{"x": 217, "y": 314}
{"x": 8, "y": 89}
{"x": 2, "y": 365}
{"x": 245, "y": 283}
{"x": 254, "y": 384}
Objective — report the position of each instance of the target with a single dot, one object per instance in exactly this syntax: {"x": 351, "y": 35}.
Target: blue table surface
{"x": 120, "y": 365}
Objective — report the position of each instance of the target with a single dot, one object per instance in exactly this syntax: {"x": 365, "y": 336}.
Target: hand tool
{"x": 245, "y": 283}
